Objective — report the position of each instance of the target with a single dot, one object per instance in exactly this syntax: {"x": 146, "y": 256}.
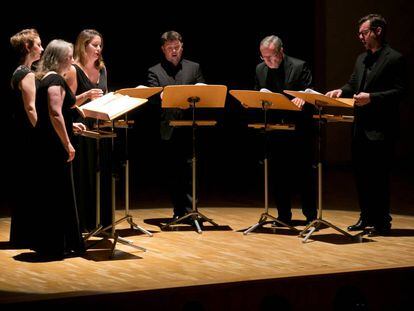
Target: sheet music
{"x": 316, "y": 98}
{"x": 111, "y": 106}
{"x": 311, "y": 91}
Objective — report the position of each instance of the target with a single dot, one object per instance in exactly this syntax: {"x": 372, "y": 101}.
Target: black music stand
{"x": 320, "y": 101}
{"x": 266, "y": 101}
{"x": 98, "y": 135}
{"x": 193, "y": 96}
{"x": 108, "y": 108}
{"x": 141, "y": 93}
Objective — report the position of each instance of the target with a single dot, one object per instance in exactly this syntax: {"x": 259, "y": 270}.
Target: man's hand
{"x": 298, "y": 102}
{"x": 335, "y": 93}
{"x": 361, "y": 99}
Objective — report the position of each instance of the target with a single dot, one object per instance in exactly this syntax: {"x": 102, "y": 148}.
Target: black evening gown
{"x": 23, "y": 177}
{"x": 57, "y": 220}
{"x": 86, "y": 163}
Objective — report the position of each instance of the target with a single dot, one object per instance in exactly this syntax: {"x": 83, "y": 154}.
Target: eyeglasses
{"x": 274, "y": 56}
{"x": 364, "y": 32}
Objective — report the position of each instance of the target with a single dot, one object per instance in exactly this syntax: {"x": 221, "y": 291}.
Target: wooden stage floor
{"x": 183, "y": 258}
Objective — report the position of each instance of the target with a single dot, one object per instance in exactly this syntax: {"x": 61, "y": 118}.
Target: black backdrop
{"x": 225, "y": 43}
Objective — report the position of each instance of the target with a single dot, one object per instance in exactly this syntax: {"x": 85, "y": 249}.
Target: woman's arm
{"x": 56, "y": 94}
{"x": 72, "y": 81}
{"x": 28, "y": 88}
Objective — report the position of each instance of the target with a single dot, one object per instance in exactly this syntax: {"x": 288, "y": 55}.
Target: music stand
{"x": 143, "y": 93}
{"x": 108, "y": 108}
{"x": 265, "y": 101}
{"x": 97, "y": 134}
{"x": 320, "y": 101}
{"x": 193, "y": 96}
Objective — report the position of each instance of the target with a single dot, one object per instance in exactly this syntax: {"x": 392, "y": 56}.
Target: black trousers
{"x": 291, "y": 157}
{"x": 291, "y": 166}
{"x": 372, "y": 166}
{"x": 176, "y": 160}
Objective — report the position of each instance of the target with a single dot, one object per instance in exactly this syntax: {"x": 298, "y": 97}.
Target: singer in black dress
{"x": 29, "y": 48}
{"x": 58, "y": 232}
{"x": 87, "y": 79}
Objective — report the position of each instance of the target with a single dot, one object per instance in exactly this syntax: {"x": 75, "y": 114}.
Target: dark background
{"x": 225, "y": 42}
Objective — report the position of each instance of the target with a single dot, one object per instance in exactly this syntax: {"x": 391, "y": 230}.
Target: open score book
{"x": 110, "y": 106}
{"x": 314, "y": 98}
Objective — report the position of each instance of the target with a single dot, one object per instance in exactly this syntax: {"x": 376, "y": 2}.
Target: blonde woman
{"x": 87, "y": 79}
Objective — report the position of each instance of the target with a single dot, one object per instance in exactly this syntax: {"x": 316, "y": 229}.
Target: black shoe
{"x": 359, "y": 226}
{"x": 379, "y": 231}
{"x": 185, "y": 221}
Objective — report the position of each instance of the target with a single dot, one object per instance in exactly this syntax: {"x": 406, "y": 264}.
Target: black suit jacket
{"x": 298, "y": 77}
{"x": 386, "y": 84}
{"x": 164, "y": 74}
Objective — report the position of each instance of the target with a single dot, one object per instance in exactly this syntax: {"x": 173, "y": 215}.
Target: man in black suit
{"x": 291, "y": 151}
{"x": 377, "y": 85}
{"x": 174, "y": 70}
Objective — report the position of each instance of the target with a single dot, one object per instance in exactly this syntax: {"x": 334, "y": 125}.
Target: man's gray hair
{"x": 272, "y": 40}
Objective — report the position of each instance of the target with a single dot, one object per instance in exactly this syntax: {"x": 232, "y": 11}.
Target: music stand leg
{"x": 99, "y": 230}
{"x": 136, "y": 227}
{"x": 194, "y": 215}
{"x": 92, "y": 233}
{"x": 265, "y": 216}
{"x": 113, "y": 202}
{"x": 113, "y": 245}
{"x": 98, "y": 226}
{"x": 311, "y": 228}
{"x": 130, "y": 219}
{"x": 207, "y": 219}
{"x": 314, "y": 225}
{"x": 118, "y": 239}
{"x": 127, "y": 216}
{"x": 261, "y": 221}
{"x": 130, "y": 243}
{"x": 197, "y": 226}
{"x": 98, "y": 198}
{"x": 193, "y": 184}
{"x": 114, "y": 235}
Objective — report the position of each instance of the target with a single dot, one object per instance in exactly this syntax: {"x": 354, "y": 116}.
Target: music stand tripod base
{"x": 311, "y": 227}
{"x": 196, "y": 216}
{"x": 115, "y": 235}
{"x": 263, "y": 220}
